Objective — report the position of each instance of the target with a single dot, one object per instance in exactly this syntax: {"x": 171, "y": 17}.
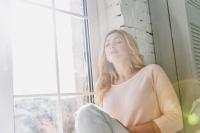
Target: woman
{"x": 133, "y": 98}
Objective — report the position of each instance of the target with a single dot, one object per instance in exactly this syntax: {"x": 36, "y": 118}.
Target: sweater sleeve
{"x": 170, "y": 120}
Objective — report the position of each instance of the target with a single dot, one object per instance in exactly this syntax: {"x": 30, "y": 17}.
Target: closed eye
{"x": 117, "y": 42}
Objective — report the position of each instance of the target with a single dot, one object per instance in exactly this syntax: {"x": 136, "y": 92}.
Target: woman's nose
{"x": 112, "y": 45}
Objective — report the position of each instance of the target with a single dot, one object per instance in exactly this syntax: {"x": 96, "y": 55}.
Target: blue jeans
{"x": 91, "y": 119}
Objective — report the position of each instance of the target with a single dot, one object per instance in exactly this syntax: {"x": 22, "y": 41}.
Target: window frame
{"x": 88, "y": 58}
{"x": 6, "y": 88}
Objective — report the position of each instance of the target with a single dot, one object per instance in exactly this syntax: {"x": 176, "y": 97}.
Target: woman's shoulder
{"x": 153, "y": 70}
{"x": 153, "y": 67}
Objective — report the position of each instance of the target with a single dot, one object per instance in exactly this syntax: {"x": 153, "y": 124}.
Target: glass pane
{"x": 34, "y": 68}
{"x": 41, "y": 2}
{"x": 70, "y": 105}
{"x": 35, "y": 115}
{"x": 75, "y": 6}
{"x": 72, "y": 65}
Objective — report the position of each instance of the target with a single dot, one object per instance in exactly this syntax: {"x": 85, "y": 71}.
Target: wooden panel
{"x": 181, "y": 20}
{"x": 184, "y": 18}
{"x": 162, "y": 39}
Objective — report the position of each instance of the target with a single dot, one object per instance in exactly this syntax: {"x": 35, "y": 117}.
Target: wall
{"x": 133, "y": 16}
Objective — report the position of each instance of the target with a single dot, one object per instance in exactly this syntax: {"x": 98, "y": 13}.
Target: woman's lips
{"x": 113, "y": 52}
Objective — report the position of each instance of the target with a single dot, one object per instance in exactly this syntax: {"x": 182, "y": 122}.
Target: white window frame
{"x": 6, "y": 91}
{"x": 6, "y": 79}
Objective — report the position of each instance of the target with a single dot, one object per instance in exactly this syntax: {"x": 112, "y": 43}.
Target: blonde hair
{"x": 107, "y": 72}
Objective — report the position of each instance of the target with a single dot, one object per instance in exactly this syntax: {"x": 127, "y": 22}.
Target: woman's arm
{"x": 170, "y": 119}
{"x": 149, "y": 127}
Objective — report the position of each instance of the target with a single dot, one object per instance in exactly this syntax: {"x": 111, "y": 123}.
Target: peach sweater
{"x": 148, "y": 95}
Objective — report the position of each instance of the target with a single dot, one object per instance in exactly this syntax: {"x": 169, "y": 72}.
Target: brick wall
{"x": 133, "y": 16}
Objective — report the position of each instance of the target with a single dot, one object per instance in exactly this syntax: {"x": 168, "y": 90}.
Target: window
{"x": 52, "y": 73}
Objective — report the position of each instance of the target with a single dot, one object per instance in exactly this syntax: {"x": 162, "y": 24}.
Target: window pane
{"x": 70, "y": 105}
{"x": 35, "y": 115}
{"x": 33, "y": 50}
{"x": 72, "y": 65}
{"x": 75, "y": 6}
{"x": 42, "y": 2}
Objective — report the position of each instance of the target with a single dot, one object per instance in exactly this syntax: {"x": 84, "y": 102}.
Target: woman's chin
{"x": 115, "y": 60}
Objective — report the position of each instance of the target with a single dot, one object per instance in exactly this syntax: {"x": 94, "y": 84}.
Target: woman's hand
{"x": 149, "y": 127}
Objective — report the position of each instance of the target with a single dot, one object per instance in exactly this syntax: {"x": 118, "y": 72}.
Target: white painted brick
{"x": 114, "y": 11}
{"x": 136, "y": 14}
{"x": 116, "y": 23}
{"x": 134, "y": 17}
{"x": 110, "y": 3}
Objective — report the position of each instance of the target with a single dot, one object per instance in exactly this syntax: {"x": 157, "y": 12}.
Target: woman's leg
{"x": 91, "y": 119}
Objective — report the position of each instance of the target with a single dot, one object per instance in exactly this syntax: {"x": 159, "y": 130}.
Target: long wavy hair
{"x": 107, "y": 72}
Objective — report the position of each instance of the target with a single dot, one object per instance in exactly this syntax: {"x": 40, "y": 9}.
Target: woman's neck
{"x": 125, "y": 71}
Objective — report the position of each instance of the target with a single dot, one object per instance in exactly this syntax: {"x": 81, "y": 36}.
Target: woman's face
{"x": 116, "y": 48}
